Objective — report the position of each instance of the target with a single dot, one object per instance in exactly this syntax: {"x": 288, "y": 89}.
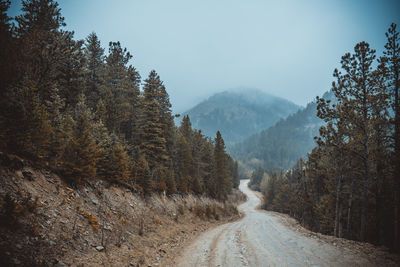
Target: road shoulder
{"x": 379, "y": 256}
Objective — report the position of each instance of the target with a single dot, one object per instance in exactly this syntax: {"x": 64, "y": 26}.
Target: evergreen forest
{"x": 85, "y": 112}
{"x": 349, "y": 184}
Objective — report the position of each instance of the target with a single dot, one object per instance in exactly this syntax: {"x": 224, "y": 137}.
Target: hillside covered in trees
{"x": 349, "y": 186}
{"x": 239, "y": 113}
{"x": 85, "y": 113}
{"x": 282, "y": 144}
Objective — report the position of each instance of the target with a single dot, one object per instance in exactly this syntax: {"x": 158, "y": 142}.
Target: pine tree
{"x": 185, "y": 165}
{"x": 143, "y": 176}
{"x": 189, "y": 143}
{"x": 103, "y": 141}
{"x": 186, "y": 128}
{"x": 198, "y": 172}
{"x": 58, "y": 137}
{"x": 121, "y": 92}
{"x": 170, "y": 181}
{"x": 116, "y": 63}
{"x": 256, "y": 177}
{"x": 81, "y": 154}
{"x": 113, "y": 161}
{"x": 40, "y": 132}
{"x": 166, "y": 118}
{"x": 70, "y": 68}
{"x": 152, "y": 134}
{"x": 357, "y": 89}
{"x": 43, "y": 15}
{"x": 51, "y": 57}
{"x": 9, "y": 52}
{"x": 220, "y": 175}
{"x": 101, "y": 112}
{"x": 235, "y": 177}
{"x": 27, "y": 130}
{"x": 130, "y": 128}
{"x": 207, "y": 168}
{"x": 10, "y": 112}
{"x": 334, "y": 137}
{"x": 94, "y": 71}
{"x": 391, "y": 61}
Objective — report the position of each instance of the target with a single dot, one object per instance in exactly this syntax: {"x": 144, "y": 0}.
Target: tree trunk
{"x": 397, "y": 179}
{"x": 396, "y": 108}
{"x": 365, "y": 199}
{"x": 378, "y": 215}
{"x": 365, "y": 191}
{"x": 338, "y": 210}
{"x": 349, "y": 210}
{"x": 396, "y": 220}
{"x": 340, "y": 221}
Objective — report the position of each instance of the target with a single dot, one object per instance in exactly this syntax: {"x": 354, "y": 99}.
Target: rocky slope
{"x": 45, "y": 222}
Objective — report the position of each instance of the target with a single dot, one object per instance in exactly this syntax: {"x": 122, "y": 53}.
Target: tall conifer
{"x": 221, "y": 179}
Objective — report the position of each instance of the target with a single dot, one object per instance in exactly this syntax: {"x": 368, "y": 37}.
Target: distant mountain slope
{"x": 284, "y": 143}
{"x": 239, "y": 113}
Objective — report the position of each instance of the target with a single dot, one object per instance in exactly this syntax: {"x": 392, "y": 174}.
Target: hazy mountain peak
{"x": 290, "y": 138}
{"x": 239, "y": 113}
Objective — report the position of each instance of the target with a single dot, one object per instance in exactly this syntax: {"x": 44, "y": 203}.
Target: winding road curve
{"x": 261, "y": 239}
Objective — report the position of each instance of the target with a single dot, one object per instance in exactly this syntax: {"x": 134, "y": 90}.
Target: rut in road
{"x": 261, "y": 239}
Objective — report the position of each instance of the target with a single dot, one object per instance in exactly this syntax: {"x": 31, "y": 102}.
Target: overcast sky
{"x": 199, "y": 47}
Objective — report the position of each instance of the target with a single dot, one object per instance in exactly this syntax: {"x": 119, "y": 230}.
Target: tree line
{"x": 350, "y": 184}
{"x": 68, "y": 105}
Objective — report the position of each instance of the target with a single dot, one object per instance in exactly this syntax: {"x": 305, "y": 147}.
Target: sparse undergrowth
{"x": 44, "y": 222}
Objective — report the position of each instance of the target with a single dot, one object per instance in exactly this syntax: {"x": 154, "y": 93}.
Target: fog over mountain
{"x": 282, "y": 144}
{"x": 239, "y": 113}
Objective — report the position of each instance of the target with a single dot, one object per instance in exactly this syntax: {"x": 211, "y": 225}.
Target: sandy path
{"x": 261, "y": 239}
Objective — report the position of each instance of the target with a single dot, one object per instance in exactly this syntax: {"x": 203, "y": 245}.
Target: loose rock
{"x": 60, "y": 264}
{"x": 29, "y": 175}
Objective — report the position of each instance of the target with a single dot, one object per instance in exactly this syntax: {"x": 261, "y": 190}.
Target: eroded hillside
{"x": 46, "y": 222}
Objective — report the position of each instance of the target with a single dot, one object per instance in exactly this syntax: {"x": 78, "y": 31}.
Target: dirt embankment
{"x": 44, "y": 222}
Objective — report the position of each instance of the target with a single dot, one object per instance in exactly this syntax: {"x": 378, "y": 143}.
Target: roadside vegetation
{"x": 349, "y": 185}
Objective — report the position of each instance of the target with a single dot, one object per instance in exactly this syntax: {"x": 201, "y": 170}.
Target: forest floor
{"x": 264, "y": 238}
{"x": 45, "y": 222}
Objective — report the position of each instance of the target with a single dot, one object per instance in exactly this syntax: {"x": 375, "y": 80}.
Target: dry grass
{"x": 201, "y": 206}
{"x": 73, "y": 222}
{"x": 92, "y": 220}
{"x": 236, "y": 197}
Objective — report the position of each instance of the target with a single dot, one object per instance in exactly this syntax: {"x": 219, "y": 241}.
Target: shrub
{"x": 92, "y": 220}
{"x": 16, "y": 207}
{"x": 198, "y": 211}
{"x": 181, "y": 209}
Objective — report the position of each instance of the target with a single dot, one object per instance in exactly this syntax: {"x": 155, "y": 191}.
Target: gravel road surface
{"x": 262, "y": 238}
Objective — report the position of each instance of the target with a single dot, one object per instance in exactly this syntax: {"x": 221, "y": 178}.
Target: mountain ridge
{"x": 282, "y": 144}
{"x": 239, "y": 113}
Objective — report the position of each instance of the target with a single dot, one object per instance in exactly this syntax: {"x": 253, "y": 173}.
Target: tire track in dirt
{"x": 262, "y": 238}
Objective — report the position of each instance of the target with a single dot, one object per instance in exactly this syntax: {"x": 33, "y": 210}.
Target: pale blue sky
{"x": 287, "y": 48}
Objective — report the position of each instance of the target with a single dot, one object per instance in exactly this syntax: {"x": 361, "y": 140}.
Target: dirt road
{"x": 262, "y": 239}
